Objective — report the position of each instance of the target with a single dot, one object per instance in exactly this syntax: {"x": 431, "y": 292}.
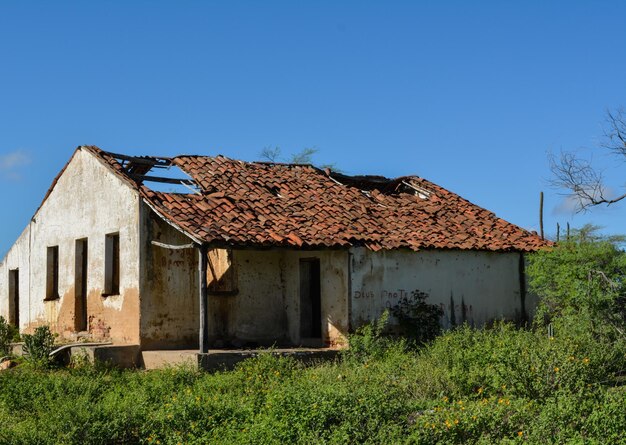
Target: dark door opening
{"x": 310, "y": 299}
{"x": 14, "y": 297}
{"x": 80, "y": 286}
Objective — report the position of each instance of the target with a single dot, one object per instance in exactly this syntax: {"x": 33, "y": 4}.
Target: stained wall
{"x": 87, "y": 202}
{"x": 470, "y": 286}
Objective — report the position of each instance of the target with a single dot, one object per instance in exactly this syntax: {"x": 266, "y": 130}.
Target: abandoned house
{"x": 250, "y": 253}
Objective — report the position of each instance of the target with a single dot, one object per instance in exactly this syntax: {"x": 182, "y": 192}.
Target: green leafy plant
{"x": 38, "y": 346}
{"x": 587, "y": 272}
{"x": 8, "y": 334}
{"x": 417, "y": 320}
{"x": 369, "y": 340}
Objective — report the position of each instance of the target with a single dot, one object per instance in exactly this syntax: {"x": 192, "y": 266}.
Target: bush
{"x": 38, "y": 346}
{"x": 585, "y": 273}
{"x": 369, "y": 341}
{"x": 418, "y": 321}
{"x": 8, "y": 333}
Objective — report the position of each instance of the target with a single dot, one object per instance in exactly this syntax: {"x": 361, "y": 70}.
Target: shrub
{"x": 418, "y": 321}
{"x": 369, "y": 341}
{"x": 585, "y": 273}
{"x": 38, "y": 346}
{"x": 8, "y": 334}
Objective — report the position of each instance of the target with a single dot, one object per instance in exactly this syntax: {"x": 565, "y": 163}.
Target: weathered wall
{"x": 471, "y": 286}
{"x": 16, "y": 258}
{"x": 169, "y": 290}
{"x": 266, "y": 308}
{"x": 89, "y": 202}
{"x": 261, "y": 309}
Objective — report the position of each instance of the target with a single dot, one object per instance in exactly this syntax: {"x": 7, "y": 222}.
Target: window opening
{"x": 221, "y": 272}
{"x": 52, "y": 273}
{"x": 310, "y": 299}
{"x": 80, "y": 286}
{"x": 112, "y": 264}
{"x": 14, "y": 297}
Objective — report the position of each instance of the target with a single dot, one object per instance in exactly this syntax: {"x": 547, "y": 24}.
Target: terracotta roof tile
{"x": 242, "y": 203}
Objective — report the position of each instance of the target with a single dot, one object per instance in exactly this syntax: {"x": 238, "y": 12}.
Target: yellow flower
{"x": 556, "y": 369}
{"x": 586, "y": 361}
{"x": 456, "y": 421}
{"x": 520, "y": 433}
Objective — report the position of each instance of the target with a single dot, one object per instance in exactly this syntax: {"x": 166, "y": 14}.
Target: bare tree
{"x": 275, "y": 154}
{"x": 305, "y": 156}
{"x": 271, "y": 154}
{"x": 583, "y": 181}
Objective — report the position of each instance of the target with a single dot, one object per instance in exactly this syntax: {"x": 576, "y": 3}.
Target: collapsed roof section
{"x": 260, "y": 204}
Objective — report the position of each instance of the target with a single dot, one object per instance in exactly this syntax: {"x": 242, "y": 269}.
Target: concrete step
{"x": 165, "y": 358}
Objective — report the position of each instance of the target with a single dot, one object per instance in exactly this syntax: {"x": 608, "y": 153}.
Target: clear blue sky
{"x": 470, "y": 95}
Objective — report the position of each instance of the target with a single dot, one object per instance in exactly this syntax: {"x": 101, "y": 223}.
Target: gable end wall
{"x": 87, "y": 202}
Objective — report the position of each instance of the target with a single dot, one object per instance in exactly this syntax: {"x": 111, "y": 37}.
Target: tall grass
{"x": 501, "y": 385}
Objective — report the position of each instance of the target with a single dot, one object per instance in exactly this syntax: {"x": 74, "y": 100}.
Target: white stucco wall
{"x": 471, "y": 286}
{"x": 88, "y": 201}
{"x": 16, "y": 258}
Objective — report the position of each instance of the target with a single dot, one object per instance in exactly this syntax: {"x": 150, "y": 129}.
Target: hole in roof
{"x": 275, "y": 191}
{"x": 170, "y": 179}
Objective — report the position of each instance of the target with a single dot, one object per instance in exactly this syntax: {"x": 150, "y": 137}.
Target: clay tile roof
{"x": 266, "y": 204}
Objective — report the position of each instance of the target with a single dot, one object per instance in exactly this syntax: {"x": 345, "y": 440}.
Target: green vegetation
{"x": 8, "y": 334}
{"x": 38, "y": 346}
{"x": 497, "y": 385}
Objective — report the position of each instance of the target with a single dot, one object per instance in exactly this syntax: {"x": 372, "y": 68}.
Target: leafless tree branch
{"x": 615, "y": 134}
{"x": 583, "y": 182}
{"x": 271, "y": 154}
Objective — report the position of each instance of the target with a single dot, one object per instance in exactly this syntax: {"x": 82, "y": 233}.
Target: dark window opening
{"x": 52, "y": 273}
{"x": 14, "y": 297}
{"x": 310, "y": 299}
{"x": 80, "y": 285}
{"x": 112, "y": 264}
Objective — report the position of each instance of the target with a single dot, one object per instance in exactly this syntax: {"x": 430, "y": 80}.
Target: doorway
{"x": 14, "y": 297}
{"x": 80, "y": 286}
{"x": 310, "y": 299}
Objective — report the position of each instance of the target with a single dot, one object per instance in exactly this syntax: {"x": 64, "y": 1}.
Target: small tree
{"x": 305, "y": 156}
{"x": 586, "y": 275}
